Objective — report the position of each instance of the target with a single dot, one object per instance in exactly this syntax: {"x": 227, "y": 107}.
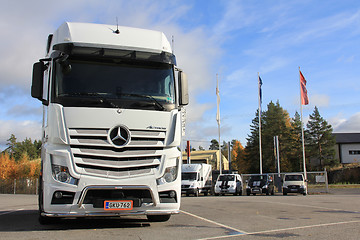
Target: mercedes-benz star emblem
{"x": 119, "y": 136}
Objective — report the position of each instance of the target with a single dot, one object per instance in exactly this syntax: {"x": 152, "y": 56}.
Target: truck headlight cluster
{"x": 170, "y": 174}
{"x": 61, "y": 174}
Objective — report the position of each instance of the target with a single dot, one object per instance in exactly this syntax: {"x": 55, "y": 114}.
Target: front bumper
{"x": 295, "y": 189}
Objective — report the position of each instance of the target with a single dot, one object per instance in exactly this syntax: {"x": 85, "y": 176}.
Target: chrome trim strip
{"x": 112, "y": 214}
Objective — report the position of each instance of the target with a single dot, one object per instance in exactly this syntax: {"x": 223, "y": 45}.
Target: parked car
{"x": 294, "y": 183}
{"x": 228, "y": 183}
{"x": 260, "y": 183}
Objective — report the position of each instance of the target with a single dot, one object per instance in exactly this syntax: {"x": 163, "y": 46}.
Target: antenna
{"x": 117, "y": 27}
{"x": 172, "y": 44}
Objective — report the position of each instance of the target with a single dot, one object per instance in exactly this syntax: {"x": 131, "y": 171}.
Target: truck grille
{"x": 94, "y": 155}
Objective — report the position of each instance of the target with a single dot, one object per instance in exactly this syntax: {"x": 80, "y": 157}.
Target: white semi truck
{"x": 196, "y": 178}
{"x": 111, "y": 123}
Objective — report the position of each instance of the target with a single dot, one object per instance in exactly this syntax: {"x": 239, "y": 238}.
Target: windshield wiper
{"x": 91, "y": 94}
{"x": 161, "y": 107}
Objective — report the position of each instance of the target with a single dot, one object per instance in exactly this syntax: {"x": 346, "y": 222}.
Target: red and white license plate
{"x": 118, "y": 205}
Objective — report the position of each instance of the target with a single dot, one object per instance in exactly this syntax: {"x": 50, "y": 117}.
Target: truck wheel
{"x": 284, "y": 193}
{"x": 235, "y": 193}
{"x": 272, "y": 192}
{"x": 240, "y": 193}
{"x": 158, "y": 218}
{"x": 248, "y": 194}
{"x": 206, "y": 193}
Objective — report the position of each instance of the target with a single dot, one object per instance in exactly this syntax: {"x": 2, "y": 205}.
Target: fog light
{"x": 172, "y": 194}
{"x": 58, "y": 195}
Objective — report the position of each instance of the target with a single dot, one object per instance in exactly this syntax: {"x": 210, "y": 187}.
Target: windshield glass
{"x": 226, "y": 178}
{"x": 188, "y": 176}
{"x": 108, "y": 84}
{"x": 258, "y": 178}
{"x": 293, "y": 178}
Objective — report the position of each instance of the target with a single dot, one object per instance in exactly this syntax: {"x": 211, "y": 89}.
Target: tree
{"x": 320, "y": 141}
{"x": 237, "y": 156}
{"x": 17, "y": 149}
{"x": 251, "y": 158}
{"x": 275, "y": 121}
{"x": 214, "y": 145}
{"x": 295, "y": 142}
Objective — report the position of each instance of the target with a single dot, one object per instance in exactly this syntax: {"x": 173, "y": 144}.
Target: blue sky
{"x": 236, "y": 39}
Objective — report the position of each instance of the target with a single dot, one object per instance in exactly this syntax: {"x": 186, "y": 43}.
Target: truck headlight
{"x": 265, "y": 186}
{"x": 61, "y": 174}
{"x": 170, "y": 174}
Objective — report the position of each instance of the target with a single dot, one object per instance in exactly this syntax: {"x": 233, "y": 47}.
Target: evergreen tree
{"x": 214, "y": 145}
{"x": 320, "y": 141}
{"x": 295, "y": 143}
{"x": 251, "y": 158}
{"x": 276, "y": 123}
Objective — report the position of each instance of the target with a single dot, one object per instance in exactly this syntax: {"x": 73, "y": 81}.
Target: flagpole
{"x": 260, "y": 150}
{"x": 302, "y": 130}
{"x": 218, "y": 120}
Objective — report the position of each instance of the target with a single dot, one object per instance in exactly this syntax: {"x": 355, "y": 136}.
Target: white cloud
{"x": 319, "y": 100}
{"x": 352, "y": 124}
{"x": 21, "y": 130}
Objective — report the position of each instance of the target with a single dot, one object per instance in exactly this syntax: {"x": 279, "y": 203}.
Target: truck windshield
{"x": 293, "y": 178}
{"x": 114, "y": 84}
{"x": 188, "y": 176}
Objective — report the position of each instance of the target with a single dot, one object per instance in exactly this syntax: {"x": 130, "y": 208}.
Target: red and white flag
{"x": 304, "y": 95}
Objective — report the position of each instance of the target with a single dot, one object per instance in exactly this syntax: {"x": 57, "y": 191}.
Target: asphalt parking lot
{"x": 316, "y": 216}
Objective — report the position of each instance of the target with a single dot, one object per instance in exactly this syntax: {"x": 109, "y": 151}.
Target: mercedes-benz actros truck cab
{"x": 112, "y": 123}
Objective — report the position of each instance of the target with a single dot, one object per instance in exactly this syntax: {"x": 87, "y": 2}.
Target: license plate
{"x": 118, "y": 205}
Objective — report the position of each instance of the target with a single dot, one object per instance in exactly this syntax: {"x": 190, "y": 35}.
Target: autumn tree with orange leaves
{"x": 20, "y": 159}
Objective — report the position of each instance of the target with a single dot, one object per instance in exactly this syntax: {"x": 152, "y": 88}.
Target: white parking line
{"x": 216, "y": 223}
{"x": 284, "y": 229}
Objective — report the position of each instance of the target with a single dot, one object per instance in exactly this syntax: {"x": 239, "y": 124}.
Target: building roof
{"x": 347, "y": 137}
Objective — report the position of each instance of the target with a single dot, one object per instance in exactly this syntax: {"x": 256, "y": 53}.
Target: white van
{"x": 196, "y": 178}
{"x": 228, "y": 183}
{"x": 294, "y": 183}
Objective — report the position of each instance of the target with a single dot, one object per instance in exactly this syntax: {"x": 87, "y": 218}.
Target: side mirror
{"x": 37, "y": 80}
{"x": 183, "y": 86}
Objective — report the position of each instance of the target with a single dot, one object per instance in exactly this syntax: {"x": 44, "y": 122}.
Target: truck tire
{"x": 206, "y": 193}
{"x": 158, "y": 218}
